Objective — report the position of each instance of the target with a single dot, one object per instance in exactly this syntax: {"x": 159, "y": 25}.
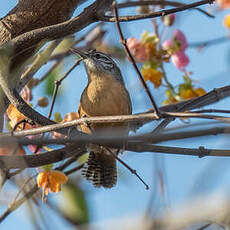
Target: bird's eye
{"x": 97, "y": 56}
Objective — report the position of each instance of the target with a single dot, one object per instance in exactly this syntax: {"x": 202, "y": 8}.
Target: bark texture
{"x": 28, "y": 15}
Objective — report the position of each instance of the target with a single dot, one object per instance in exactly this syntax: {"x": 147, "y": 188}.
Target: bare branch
{"x": 159, "y": 2}
{"x": 132, "y": 60}
{"x": 156, "y": 14}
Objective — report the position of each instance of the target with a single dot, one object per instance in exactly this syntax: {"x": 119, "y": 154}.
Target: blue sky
{"x": 185, "y": 176}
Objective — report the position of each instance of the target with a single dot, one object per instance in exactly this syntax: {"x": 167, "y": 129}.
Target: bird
{"x": 104, "y": 95}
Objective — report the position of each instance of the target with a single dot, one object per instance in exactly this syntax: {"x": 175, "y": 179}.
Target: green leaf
{"x": 187, "y": 80}
{"x": 146, "y": 37}
{"x": 57, "y": 117}
{"x": 54, "y": 75}
{"x": 47, "y": 167}
{"x": 150, "y": 65}
{"x": 82, "y": 159}
{"x": 74, "y": 205}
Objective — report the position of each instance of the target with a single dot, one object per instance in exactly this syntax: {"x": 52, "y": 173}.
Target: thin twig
{"x": 133, "y": 171}
{"x": 135, "y": 144}
{"x": 214, "y": 41}
{"x": 39, "y": 61}
{"x": 68, "y": 163}
{"x": 4, "y": 176}
{"x": 77, "y": 168}
{"x": 18, "y": 203}
{"x": 211, "y": 111}
{"x": 58, "y": 83}
{"x": 160, "y": 13}
{"x": 53, "y": 67}
{"x": 161, "y": 3}
{"x": 22, "y": 189}
{"x": 131, "y": 59}
{"x": 132, "y": 119}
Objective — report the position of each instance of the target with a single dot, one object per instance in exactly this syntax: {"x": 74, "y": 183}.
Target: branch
{"x": 132, "y": 60}
{"x": 132, "y": 119}
{"x": 38, "y": 160}
{"x": 32, "y": 38}
{"x": 200, "y": 152}
{"x": 19, "y": 202}
{"x": 17, "y": 100}
{"x": 136, "y": 120}
{"x": 146, "y": 138}
{"x": 77, "y": 149}
{"x": 213, "y": 96}
{"x": 28, "y": 15}
{"x": 159, "y": 2}
{"x": 156, "y": 14}
{"x": 210, "y": 42}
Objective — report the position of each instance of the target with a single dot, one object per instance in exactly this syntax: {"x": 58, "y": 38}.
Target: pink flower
{"x": 180, "y": 60}
{"x": 34, "y": 148}
{"x": 137, "y": 49}
{"x": 167, "y": 44}
{"x": 179, "y": 37}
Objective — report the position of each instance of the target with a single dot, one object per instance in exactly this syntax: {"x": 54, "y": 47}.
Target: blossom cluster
{"x": 176, "y": 47}
{"x": 146, "y": 51}
{"x": 185, "y": 91}
{"x": 152, "y": 54}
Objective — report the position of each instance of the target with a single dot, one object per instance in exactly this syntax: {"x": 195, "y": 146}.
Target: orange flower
{"x": 191, "y": 93}
{"x": 71, "y": 116}
{"x": 15, "y": 116}
{"x": 227, "y": 21}
{"x": 150, "y": 49}
{"x": 170, "y": 100}
{"x": 152, "y": 75}
{"x": 187, "y": 94}
{"x": 68, "y": 117}
{"x": 51, "y": 181}
{"x": 200, "y": 91}
{"x": 171, "y": 97}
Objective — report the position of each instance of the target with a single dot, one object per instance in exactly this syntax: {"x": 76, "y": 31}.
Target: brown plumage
{"x": 104, "y": 95}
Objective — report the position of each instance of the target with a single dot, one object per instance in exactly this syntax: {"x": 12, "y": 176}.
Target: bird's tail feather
{"x": 101, "y": 169}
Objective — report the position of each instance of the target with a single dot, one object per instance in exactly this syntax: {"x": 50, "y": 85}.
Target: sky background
{"x": 186, "y": 177}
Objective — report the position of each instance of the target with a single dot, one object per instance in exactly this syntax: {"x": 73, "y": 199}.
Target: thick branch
{"x": 28, "y": 15}
{"x": 30, "y": 161}
{"x": 32, "y": 38}
{"x": 37, "y": 160}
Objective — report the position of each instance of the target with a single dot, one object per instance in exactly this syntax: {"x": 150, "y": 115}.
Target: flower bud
{"x": 32, "y": 83}
{"x": 169, "y": 19}
{"x": 143, "y": 10}
{"x": 43, "y": 101}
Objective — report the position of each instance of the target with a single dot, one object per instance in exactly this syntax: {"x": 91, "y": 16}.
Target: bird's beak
{"x": 82, "y": 54}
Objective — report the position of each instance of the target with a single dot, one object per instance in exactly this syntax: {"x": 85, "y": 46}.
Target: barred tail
{"x": 101, "y": 169}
